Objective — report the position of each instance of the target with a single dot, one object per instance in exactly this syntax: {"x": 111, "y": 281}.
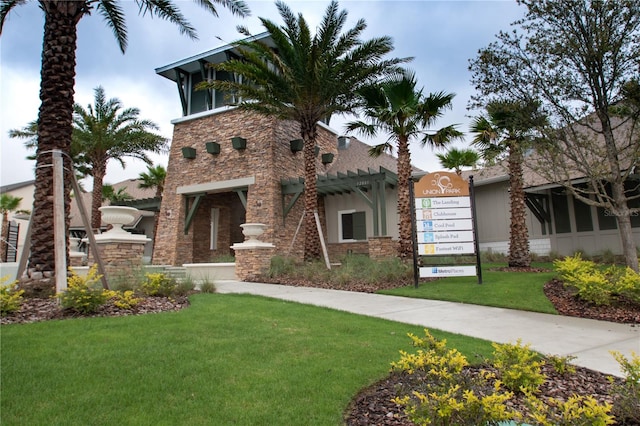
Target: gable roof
{"x": 14, "y": 186}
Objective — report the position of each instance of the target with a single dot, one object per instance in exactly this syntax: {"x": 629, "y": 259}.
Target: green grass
{"x": 225, "y": 360}
{"x": 514, "y": 290}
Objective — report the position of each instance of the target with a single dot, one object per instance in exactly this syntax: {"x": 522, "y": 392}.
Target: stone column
{"x": 120, "y": 251}
{"x": 253, "y": 257}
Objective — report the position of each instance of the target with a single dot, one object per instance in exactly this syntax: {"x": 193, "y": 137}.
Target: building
{"x": 557, "y": 222}
{"x": 228, "y": 167}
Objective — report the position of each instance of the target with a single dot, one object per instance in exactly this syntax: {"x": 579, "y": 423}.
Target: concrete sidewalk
{"x": 588, "y": 340}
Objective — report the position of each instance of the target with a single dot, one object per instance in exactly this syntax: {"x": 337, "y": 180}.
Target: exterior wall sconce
{"x": 296, "y": 145}
{"x": 327, "y": 158}
{"x": 239, "y": 143}
{"x": 213, "y": 147}
{"x": 189, "y": 153}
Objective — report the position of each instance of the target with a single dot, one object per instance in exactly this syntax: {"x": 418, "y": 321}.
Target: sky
{"x": 441, "y": 36}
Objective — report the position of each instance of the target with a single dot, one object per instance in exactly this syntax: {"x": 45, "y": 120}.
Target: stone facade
{"x": 119, "y": 258}
{"x": 267, "y": 160}
{"x": 382, "y": 247}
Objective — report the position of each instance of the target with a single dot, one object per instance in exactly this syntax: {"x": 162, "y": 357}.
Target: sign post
{"x": 445, "y": 223}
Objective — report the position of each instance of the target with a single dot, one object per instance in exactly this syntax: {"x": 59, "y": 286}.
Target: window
{"x": 352, "y": 226}
{"x": 582, "y": 212}
{"x": 561, "y": 211}
{"x": 215, "y": 218}
{"x": 198, "y": 101}
{"x": 223, "y": 98}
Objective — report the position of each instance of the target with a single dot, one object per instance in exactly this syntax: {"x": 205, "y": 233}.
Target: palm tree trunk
{"x": 519, "y": 255}
{"x": 4, "y": 237}
{"x": 99, "y": 170}
{"x": 405, "y": 248}
{"x": 309, "y": 134}
{"x": 54, "y": 125}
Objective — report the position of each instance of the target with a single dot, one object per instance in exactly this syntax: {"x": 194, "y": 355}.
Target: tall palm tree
{"x": 456, "y": 159}
{"x": 508, "y": 130}
{"x": 8, "y": 203}
{"x": 306, "y": 78}
{"x": 104, "y": 132}
{"x": 57, "y": 89}
{"x": 154, "y": 177}
{"x": 396, "y": 107}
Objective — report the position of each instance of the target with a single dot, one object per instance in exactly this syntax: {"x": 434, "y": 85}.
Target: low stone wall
{"x": 382, "y": 247}
{"x": 339, "y": 250}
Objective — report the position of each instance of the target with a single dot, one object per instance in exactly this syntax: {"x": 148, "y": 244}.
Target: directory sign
{"x": 444, "y": 222}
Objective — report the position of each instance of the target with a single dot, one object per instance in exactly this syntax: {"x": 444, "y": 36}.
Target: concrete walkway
{"x": 588, "y": 340}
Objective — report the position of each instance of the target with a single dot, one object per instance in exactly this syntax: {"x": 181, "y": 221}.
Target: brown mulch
{"x": 373, "y": 405}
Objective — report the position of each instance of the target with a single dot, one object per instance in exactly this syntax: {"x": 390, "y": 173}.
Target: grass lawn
{"x": 515, "y": 290}
{"x": 225, "y": 360}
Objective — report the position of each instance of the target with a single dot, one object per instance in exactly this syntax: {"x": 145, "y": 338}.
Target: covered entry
{"x": 213, "y": 214}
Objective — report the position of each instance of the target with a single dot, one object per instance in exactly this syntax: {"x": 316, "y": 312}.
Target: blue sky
{"x": 441, "y": 35}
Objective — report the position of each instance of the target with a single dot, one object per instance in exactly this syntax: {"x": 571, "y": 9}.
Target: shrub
{"x": 281, "y": 265}
{"x": 626, "y": 406}
{"x": 158, "y": 285}
{"x": 124, "y": 299}
{"x": 84, "y": 294}
{"x": 561, "y": 363}
{"x": 448, "y": 395}
{"x": 207, "y": 286}
{"x": 597, "y": 285}
{"x": 519, "y": 368}
{"x": 185, "y": 286}
{"x": 10, "y": 297}
{"x": 575, "y": 411}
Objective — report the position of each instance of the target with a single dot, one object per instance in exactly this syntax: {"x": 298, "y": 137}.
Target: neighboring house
{"x": 556, "y": 221}
{"x": 228, "y": 167}
{"x": 22, "y": 190}
{"x": 142, "y": 199}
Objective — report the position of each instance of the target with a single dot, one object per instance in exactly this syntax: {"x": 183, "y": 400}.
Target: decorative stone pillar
{"x": 76, "y": 257}
{"x": 253, "y": 257}
{"x": 119, "y": 250}
{"x": 382, "y": 247}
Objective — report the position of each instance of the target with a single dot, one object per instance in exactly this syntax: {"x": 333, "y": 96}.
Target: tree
{"x": 57, "y": 89}
{"x": 509, "y": 130}
{"x": 104, "y": 132}
{"x": 398, "y": 109}
{"x": 577, "y": 57}
{"x": 306, "y": 79}
{"x": 8, "y": 203}
{"x": 110, "y": 194}
{"x": 154, "y": 177}
{"x": 456, "y": 159}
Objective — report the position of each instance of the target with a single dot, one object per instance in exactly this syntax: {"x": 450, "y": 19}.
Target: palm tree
{"x": 110, "y": 194}
{"x": 104, "y": 132}
{"x": 456, "y": 159}
{"x": 8, "y": 203}
{"x": 57, "y": 89}
{"x": 306, "y": 79}
{"x": 154, "y": 177}
{"x": 508, "y": 130}
{"x": 397, "y": 108}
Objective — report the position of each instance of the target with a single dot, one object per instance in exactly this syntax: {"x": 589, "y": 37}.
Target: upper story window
{"x": 204, "y": 100}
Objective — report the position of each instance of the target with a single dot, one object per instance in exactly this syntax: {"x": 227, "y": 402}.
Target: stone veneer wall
{"x": 119, "y": 259}
{"x": 267, "y": 158}
{"x": 339, "y": 250}
{"x": 382, "y": 247}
